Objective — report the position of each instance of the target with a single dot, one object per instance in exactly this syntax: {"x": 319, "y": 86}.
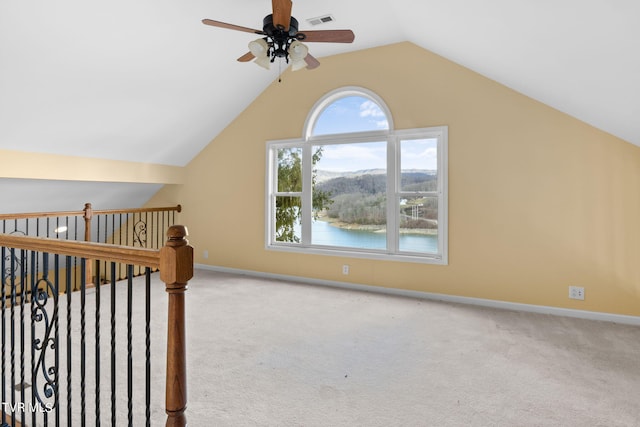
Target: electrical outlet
{"x": 205, "y": 254}
{"x": 576, "y": 292}
{"x": 345, "y": 269}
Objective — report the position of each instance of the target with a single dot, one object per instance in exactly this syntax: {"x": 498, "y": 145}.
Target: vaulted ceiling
{"x": 147, "y": 81}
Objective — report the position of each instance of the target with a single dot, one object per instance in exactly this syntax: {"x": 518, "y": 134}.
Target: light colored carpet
{"x": 272, "y": 353}
{"x": 269, "y": 353}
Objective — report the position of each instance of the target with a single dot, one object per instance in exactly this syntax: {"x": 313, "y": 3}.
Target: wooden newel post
{"x": 176, "y": 269}
{"x": 88, "y": 214}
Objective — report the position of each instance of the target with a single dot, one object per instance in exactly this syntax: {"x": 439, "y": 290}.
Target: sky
{"x": 358, "y": 114}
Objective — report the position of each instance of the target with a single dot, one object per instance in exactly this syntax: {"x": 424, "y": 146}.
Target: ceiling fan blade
{"x": 281, "y": 13}
{"x": 246, "y": 57}
{"x": 231, "y": 26}
{"x": 332, "y": 36}
{"x": 311, "y": 61}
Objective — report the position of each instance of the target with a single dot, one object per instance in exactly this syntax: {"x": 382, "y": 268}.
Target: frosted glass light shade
{"x": 259, "y": 48}
{"x": 297, "y": 50}
{"x": 264, "y": 62}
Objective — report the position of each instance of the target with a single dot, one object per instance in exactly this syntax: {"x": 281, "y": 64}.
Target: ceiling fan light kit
{"x": 297, "y": 53}
{"x": 282, "y": 39}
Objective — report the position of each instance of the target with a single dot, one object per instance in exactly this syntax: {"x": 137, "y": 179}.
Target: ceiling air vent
{"x": 321, "y": 20}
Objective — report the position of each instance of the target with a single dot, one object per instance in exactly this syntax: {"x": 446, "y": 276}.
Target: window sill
{"x": 359, "y": 253}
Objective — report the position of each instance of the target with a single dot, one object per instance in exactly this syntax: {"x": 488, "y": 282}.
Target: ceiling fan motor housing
{"x": 278, "y": 33}
{"x": 280, "y": 39}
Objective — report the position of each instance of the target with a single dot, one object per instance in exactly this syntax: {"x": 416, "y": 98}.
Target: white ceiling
{"x": 146, "y": 80}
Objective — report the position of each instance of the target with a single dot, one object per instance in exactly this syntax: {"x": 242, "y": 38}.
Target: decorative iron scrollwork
{"x": 45, "y": 387}
{"x": 14, "y": 267}
{"x": 140, "y": 234}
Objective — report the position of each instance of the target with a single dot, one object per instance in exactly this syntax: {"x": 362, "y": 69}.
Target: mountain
{"x": 324, "y": 175}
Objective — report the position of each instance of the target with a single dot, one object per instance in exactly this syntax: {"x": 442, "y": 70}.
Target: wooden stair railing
{"x": 175, "y": 262}
{"x": 99, "y": 226}
{"x": 87, "y": 213}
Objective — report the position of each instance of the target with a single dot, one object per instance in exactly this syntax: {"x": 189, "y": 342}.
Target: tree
{"x": 289, "y": 208}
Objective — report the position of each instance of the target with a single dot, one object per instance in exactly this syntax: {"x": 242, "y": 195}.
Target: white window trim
{"x": 393, "y": 164}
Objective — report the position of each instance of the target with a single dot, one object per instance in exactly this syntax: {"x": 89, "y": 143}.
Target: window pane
{"x": 288, "y": 212}
{"x": 289, "y": 170}
{"x": 350, "y": 114}
{"x": 419, "y": 164}
{"x": 419, "y": 224}
{"x": 349, "y": 195}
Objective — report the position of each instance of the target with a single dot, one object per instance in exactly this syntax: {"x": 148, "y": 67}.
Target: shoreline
{"x": 377, "y": 228}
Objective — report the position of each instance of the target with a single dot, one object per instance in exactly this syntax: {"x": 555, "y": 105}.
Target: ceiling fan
{"x": 282, "y": 39}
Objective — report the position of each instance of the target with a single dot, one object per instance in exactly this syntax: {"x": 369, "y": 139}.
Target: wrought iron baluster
{"x": 121, "y": 243}
{"x": 23, "y": 281}
{"x": 113, "y": 231}
{"x": 69, "y": 291}
{"x": 12, "y": 330}
{"x": 113, "y": 343}
{"x": 37, "y": 264}
{"x": 97, "y": 239}
{"x": 56, "y": 323}
{"x": 83, "y": 349}
{"x": 129, "y": 344}
{"x": 154, "y": 233}
{"x": 34, "y": 284}
{"x": 97, "y": 349}
{"x": 147, "y": 304}
{"x": 146, "y": 222}
{"x": 4, "y": 338}
{"x": 158, "y": 240}
{"x": 164, "y": 226}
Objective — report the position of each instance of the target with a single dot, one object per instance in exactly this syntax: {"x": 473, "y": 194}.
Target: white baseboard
{"x": 556, "y": 311}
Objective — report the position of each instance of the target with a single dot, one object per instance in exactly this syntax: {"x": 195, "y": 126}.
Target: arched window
{"x": 348, "y": 110}
{"x": 356, "y": 186}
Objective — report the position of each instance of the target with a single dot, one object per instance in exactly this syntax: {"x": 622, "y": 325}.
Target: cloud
{"x": 430, "y": 153}
{"x": 419, "y": 154}
{"x": 349, "y": 157}
{"x": 370, "y": 109}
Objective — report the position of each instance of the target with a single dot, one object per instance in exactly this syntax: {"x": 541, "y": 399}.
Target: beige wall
{"x": 538, "y": 200}
{"x": 71, "y": 168}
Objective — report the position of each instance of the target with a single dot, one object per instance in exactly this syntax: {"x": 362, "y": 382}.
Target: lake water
{"x": 326, "y": 234}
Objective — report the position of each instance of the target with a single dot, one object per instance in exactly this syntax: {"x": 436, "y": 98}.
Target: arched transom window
{"x": 355, "y": 186}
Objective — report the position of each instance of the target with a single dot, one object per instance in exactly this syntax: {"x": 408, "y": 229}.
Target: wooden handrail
{"x": 122, "y": 254}
{"x": 177, "y": 208}
{"x": 39, "y": 215}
